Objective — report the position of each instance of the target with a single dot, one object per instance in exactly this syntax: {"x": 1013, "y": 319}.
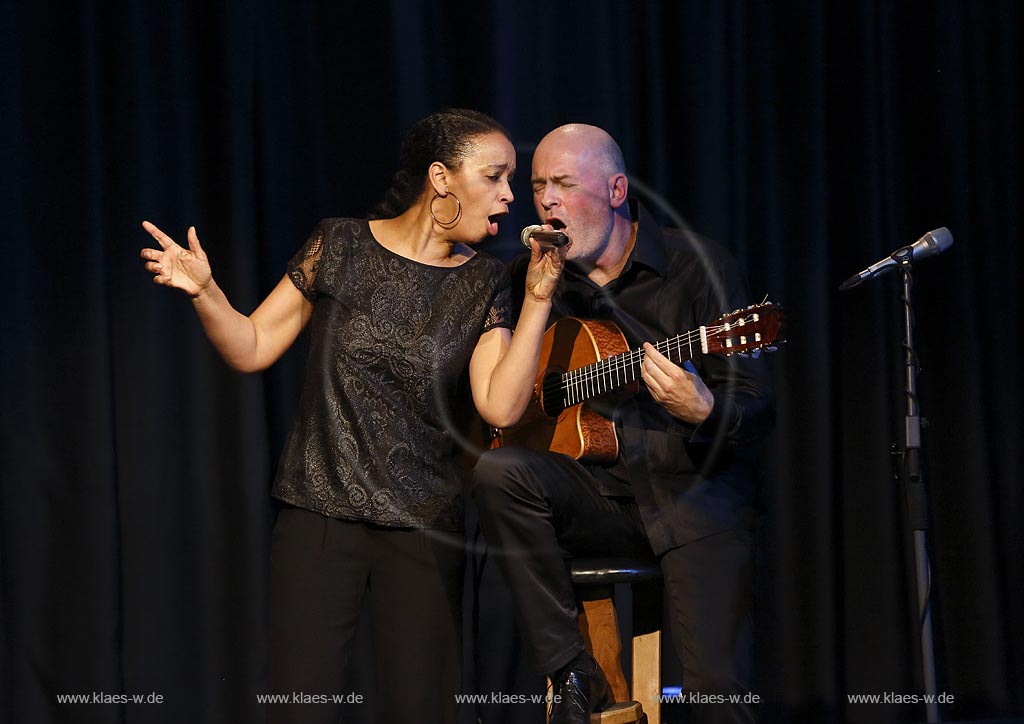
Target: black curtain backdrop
{"x": 811, "y": 137}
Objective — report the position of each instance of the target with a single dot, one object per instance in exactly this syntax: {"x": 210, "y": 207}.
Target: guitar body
{"x": 550, "y": 424}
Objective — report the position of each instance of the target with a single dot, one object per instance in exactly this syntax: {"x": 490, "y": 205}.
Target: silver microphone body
{"x": 547, "y": 239}
{"x": 932, "y": 243}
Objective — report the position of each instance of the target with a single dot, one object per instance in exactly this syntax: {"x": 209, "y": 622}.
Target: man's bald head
{"x": 589, "y": 144}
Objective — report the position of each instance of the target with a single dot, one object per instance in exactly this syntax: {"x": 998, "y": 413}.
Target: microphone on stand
{"x": 547, "y": 239}
{"x": 932, "y": 243}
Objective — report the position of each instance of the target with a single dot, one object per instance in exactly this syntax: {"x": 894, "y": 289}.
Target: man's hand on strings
{"x": 679, "y": 390}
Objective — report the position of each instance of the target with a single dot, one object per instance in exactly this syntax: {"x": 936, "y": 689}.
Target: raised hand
{"x": 545, "y": 268}
{"x": 173, "y": 266}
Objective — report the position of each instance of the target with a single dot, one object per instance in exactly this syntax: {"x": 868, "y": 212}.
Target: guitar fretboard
{"x": 738, "y": 332}
{"x": 611, "y": 373}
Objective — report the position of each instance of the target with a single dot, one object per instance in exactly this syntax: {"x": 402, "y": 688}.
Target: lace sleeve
{"x": 500, "y": 313}
{"x": 302, "y": 268}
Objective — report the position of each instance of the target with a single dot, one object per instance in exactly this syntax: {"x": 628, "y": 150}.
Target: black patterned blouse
{"x": 386, "y": 378}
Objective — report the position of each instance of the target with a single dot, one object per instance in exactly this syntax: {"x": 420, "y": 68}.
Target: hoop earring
{"x": 458, "y": 212}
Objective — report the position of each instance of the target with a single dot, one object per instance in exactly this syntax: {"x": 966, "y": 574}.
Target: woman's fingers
{"x": 193, "y": 243}
{"x": 162, "y": 238}
{"x": 150, "y": 254}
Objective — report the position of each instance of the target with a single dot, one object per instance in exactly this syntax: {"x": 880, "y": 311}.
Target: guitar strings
{"x": 586, "y": 382}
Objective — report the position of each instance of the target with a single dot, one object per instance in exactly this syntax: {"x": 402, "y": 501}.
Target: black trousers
{"x": 538, "y": 509}
{"x": 320, "y": 571}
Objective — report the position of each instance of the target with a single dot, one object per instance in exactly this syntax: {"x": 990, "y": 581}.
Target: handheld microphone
{"x": 546, "y": 239}
{"x": 932, "y": 243}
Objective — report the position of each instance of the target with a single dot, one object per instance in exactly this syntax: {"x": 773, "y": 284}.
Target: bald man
{"x": 682, "y": 487}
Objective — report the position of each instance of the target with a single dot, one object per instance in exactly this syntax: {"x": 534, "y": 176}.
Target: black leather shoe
{"x": 580, "y": 690}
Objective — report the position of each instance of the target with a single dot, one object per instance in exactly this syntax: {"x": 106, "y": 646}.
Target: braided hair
{"x": 446, "y": 136}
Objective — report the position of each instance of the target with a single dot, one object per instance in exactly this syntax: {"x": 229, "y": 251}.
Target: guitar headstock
{"x": 745, "y": 331}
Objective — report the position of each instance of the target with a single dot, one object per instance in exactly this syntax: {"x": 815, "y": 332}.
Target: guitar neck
{"x": 609, "y": 374}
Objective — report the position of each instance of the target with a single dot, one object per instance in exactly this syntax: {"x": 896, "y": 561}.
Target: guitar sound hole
{"x": 552, "y": 400}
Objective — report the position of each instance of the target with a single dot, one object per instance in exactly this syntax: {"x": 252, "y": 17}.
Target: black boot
{"x": 579, "y": 689}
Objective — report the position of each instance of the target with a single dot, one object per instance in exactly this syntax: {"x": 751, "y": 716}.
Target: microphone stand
{"x": 917, "y": 501}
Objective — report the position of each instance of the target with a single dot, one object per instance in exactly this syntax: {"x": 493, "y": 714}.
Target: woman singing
{"x": 399, "y": 307}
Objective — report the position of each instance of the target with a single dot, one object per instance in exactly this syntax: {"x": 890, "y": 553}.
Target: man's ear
{"x": 438, "y": 176}
{"x": 618, "y": 190}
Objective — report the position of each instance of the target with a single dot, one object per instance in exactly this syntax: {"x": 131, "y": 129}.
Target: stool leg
{"x": 601, "y": 635}
{"x": 647, "y": 650}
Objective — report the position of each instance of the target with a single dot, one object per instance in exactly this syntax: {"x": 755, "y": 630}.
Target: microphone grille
{"x": 524, "y": 236}
{"x": 941, "y": 239}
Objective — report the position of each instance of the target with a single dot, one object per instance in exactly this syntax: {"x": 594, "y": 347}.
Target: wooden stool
{"x": 594, "y": 580}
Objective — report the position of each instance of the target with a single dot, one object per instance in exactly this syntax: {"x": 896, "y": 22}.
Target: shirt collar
{"x": 649, "y": 248}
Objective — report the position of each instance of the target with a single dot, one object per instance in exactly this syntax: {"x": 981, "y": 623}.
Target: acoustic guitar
{"x": 585, "y": 364}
